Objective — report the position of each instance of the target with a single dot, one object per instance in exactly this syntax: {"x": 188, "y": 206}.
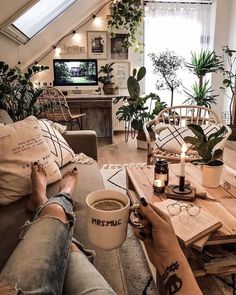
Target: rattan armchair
{"x": 181, "y": 115}
{"x": 60, "y": 111}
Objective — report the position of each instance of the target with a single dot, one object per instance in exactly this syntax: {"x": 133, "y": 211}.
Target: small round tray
{"x": 187, "y": 190}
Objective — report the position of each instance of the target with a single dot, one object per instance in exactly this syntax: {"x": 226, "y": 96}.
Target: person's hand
{"x": 158, "y": 235}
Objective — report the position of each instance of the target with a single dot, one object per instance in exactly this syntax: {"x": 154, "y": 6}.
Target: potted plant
{"x": 18, "y": 96}
{"x": 127, "y": 15}
{"x": 166, "y": 65}
{"x": 229, "y": 86}
{"x": 106, "y": 79}
{"x": 138, "y": 109}
{"x": 206, "y": 146}
{"x": 202, "y": 64}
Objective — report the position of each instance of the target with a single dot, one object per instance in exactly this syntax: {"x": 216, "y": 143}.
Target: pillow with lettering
{"x": 59, "y": 148}
{"x": 22, "y": 143}
{"x": 171, "y": 138}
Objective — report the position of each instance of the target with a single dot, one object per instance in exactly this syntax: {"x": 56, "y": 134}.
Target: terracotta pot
{"x": 211, "y": 175}
{"x": 109, "y": 88}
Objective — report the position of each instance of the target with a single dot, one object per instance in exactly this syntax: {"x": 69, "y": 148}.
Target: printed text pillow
{"x": 22, "y": 143}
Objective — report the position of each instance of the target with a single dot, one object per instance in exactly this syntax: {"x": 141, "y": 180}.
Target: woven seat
{"x": 179, "y": 116}
{"x": 60, "y": 111}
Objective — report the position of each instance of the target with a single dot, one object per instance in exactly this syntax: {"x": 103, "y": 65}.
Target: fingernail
{"x": 143, "y": 202}
{"x": 75, "y": 169}
{"x": 142, "y": 234}
{"x": 140, "y": 216}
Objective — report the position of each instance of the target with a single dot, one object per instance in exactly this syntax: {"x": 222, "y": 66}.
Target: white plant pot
{"x": 211, "y": 175}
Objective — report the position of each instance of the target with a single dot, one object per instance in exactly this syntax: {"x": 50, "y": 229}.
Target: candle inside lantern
{"x": 182, "y": 160}
{"x": 159, "y": 186}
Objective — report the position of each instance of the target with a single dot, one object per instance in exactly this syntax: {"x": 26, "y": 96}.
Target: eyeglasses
{"x": 176, "y": 208}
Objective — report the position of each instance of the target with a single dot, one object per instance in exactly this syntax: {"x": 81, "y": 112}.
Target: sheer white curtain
{"x": 181, "y": 28}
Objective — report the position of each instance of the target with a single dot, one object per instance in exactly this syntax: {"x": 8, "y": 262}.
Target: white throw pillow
{"x": 22, "y": 143}
{"x": 171, "y": 138}
{"x": 60, "y": 150}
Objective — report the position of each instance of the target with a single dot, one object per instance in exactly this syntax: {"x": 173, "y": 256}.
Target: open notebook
{"x": 190, "y": 228}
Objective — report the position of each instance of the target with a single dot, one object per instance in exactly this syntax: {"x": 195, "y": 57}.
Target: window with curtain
{"x": 181, "y": 28}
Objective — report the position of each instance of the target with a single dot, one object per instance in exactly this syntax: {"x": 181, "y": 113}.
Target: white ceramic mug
{"x": 107, "y": 230}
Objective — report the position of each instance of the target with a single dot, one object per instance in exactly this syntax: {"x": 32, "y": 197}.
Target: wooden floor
{"x": 121, "y": 152}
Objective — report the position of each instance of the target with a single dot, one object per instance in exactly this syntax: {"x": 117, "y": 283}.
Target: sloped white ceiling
{"x": 38, "y": 45}
{"x": 9, "y": 8}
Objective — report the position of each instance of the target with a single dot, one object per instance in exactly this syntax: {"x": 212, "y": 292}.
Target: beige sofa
{"x": 13, "y": 216}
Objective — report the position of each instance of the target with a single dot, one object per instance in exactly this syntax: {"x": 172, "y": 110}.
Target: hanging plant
{"x": 126, "y": 16}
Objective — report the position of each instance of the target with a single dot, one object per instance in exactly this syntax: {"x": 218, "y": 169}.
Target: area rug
{"x": 138, "y": 278}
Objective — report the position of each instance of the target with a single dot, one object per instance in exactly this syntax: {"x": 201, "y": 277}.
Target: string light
{"x": 76, "y": 37}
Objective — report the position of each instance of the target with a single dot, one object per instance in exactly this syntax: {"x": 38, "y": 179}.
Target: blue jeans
{"x": 43, "y": 263}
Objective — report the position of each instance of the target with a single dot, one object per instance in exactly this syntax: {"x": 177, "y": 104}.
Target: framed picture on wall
{"x": 121, "y": 72}
{"x": 118, "y": 51}
{"x": 97, "y": 44}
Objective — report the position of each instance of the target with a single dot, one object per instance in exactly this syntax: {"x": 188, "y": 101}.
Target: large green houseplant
{"x": 202, "y": 64}
{"x": 18, "y": 96}
{"x": 127, "y": 16}
{"x": 138, "y": 109}
{"x": 210, "y": 154}
{"x": 166, "y": 66}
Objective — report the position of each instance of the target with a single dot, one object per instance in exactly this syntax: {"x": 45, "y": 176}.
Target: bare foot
{"x": 39, "y": 185}
{"x": 69, "y": 182}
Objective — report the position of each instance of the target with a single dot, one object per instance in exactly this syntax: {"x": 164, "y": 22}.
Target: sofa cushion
{"x": 171, "y": 137}
{"x": 22, "y": 143}
{"x": 59, "y": 148}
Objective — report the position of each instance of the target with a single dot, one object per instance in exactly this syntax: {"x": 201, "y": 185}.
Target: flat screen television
{"x": 75, "y": 73}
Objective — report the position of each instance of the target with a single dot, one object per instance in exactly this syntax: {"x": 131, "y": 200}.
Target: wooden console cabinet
{"x": 99, "y": 112}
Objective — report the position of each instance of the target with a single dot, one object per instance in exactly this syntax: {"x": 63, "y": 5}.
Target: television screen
{"x": 75, "y": 72}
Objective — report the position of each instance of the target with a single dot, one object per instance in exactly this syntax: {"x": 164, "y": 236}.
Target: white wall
{"x": 10, "y": 52}
{"x": 224, "y": 34}
{"x": 99, "y": 24}
{"x": 223, "y": 11}
{"x": 232, "y": 28}
{"x": 43, "y": 43}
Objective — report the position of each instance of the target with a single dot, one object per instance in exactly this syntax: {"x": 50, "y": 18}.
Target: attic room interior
{"x": 118, "y": 147}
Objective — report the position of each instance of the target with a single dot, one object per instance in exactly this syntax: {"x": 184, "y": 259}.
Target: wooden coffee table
{"x": 139, "y": 183}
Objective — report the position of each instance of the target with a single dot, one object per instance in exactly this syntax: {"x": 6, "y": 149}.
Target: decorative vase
{"x": 211, "y": 175}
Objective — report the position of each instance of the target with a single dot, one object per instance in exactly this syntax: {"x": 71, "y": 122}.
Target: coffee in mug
{"x": 108, "y": 214}
{"x": 108, "y": 205}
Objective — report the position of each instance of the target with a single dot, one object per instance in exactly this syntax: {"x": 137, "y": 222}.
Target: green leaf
{"x": 191, "y": 140}
{"x": 133, "y": 87}
{"x": 213, "y": 142}
{"x": 197, "y": 130}
{"x": 141, "y": 73}
{"x": 217, "y": 154}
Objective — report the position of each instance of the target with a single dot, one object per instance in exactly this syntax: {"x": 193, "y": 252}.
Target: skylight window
{"x": 37, "y": 18}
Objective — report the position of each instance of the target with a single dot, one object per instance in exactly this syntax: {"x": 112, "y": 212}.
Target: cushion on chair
{"x": 171, "y": 138}
{"x": 60, "y": 150}
{"x": 22, "y": 143}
